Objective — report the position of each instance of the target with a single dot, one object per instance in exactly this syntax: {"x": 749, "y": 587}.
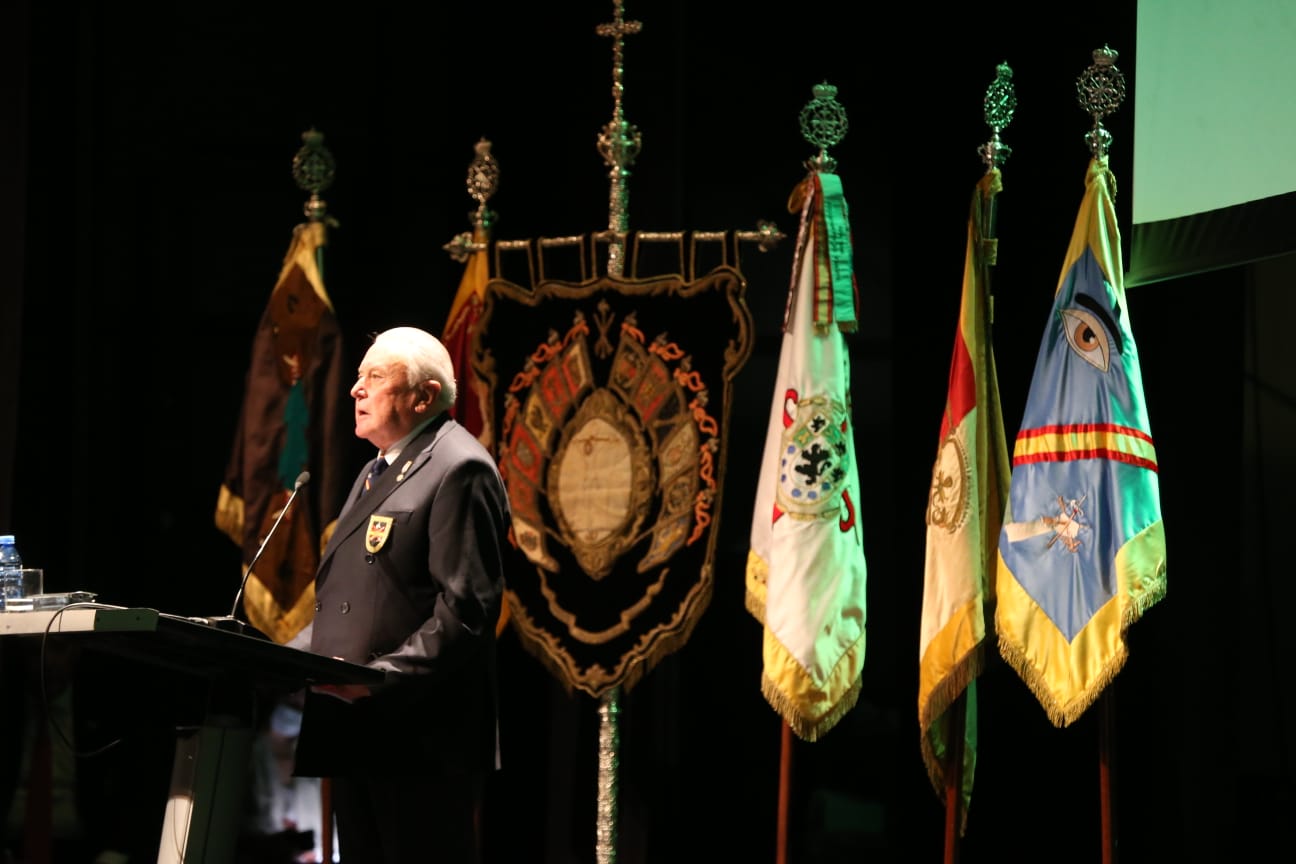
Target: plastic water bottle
{"x": 10, "y": 570}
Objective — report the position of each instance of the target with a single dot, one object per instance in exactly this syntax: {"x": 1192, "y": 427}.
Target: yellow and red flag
{"x": 473, "y": 395}
{"x": 461, "y": 324}
{"x": 805, "y": 568}
{"x": 969, "y": 485}
{"x": 1082, "y": 551}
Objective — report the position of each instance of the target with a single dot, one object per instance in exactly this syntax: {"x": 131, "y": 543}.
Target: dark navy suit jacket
{"x": 411, "y": 583}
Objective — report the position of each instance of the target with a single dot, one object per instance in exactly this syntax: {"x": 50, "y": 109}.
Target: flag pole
{"x": 1106, "y": 778}
{"x": 954, "y": 778}
{"x": 785, "y": 786}
{"x": 999, "y": 104}
{"x": 618, "y": 143}
{"x": 1100, "y": 89}
{"x": 313, "y": 170}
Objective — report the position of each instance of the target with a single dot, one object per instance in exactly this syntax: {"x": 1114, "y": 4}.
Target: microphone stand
{"x": 229, "y": 622}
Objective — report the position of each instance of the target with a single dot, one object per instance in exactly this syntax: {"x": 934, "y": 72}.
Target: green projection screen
{"x": 1214, "y": 181}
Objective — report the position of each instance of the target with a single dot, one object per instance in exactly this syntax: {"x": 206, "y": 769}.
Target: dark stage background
{"x": 147, "y": 204}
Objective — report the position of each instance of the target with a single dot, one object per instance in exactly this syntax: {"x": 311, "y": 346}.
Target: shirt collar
{"x": 394, "y": 451}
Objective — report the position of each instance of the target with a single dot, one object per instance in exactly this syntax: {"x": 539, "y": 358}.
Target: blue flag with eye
{"x": 1082, "y": 546}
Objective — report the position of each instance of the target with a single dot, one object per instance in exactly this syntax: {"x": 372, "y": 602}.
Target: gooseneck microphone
{"x": 229, "y": 622}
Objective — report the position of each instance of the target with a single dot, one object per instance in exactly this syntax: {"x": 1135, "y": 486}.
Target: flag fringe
{"x": 1137, "y": 595}
{"x": 1059, "y": 713}
{"x": 279, "y": 624}
{"x": 809, "y": 728}
{"x": 1142, "y": 580}
{"x": 939, "y": 701}
{"x": 1141, "y": 603}
{"x": 230, "y": 511}
{"x": 757, "y": 580}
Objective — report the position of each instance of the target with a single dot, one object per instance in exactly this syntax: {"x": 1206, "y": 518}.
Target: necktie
{"x": 379, "y": 466}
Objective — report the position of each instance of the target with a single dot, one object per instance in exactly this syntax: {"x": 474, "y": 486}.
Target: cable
{"x": 45, "y": 701}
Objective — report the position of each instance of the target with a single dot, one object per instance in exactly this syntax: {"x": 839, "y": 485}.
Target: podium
{"x": 209, "y": 772}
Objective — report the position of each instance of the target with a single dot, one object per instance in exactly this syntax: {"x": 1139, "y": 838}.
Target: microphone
{"x": 229, "y": 622}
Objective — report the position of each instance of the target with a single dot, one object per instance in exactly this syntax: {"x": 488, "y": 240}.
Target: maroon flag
{"x": 290, "y": 422}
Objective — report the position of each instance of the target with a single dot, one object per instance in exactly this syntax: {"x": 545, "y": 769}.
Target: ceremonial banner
{"x": 969, "y": 486}
{"x": 1082, "y": 551}
{"x": 291, "y": 420}
{"x": 805, "y": 568}
{"x": 613, "y": 398}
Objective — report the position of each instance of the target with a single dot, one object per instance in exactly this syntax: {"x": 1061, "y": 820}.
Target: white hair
{"x": 424, "y": 359}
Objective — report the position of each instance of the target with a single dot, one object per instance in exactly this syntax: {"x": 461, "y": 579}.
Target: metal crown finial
{"x": 483, "y": 180}
{"x": 313, "y": 170}
{"x": 1000, "y": 103}
{"x": 823, "y": 124}
{"x": 1100, "y": 90}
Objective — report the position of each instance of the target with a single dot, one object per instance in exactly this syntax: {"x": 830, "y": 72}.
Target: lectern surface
{"x": 188, "y": 645}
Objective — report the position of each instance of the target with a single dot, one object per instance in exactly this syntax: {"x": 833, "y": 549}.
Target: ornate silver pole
{"x": 823, "y": 124}
{"x": 313, "y": 170}
{"x": 618, "y": 144}
{"x": 1000, "y": 103}
{"x": 609, "y": 758}
{"x": 619, "y": 141}
{"x": 1100, "y": 90}
{"x": 483, "y": 180}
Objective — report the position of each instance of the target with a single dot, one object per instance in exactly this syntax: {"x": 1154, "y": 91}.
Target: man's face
{"x": 386, "y": 408}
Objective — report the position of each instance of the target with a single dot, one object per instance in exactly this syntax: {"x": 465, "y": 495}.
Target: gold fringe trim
{"x": 811, "y": 707}
{"x": 942, "y": 696}
{"x": 757, "y": 581}
{"x": 1143, "y": 553}
{"x": 280, "y": 625}
{"x": 1062, "y": 714}
{"x": 806, "y": 728}
{"x": 229, "y": 515}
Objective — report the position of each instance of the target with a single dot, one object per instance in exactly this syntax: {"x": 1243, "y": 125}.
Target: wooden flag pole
{"x": 954, "y": 777}
{"x": 784, "y": 793}
{"x": 326, "y": 819}
{"x": 1106, "y": 774}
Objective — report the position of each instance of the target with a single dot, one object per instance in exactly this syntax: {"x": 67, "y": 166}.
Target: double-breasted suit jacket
{"x": 411, "y": 583}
